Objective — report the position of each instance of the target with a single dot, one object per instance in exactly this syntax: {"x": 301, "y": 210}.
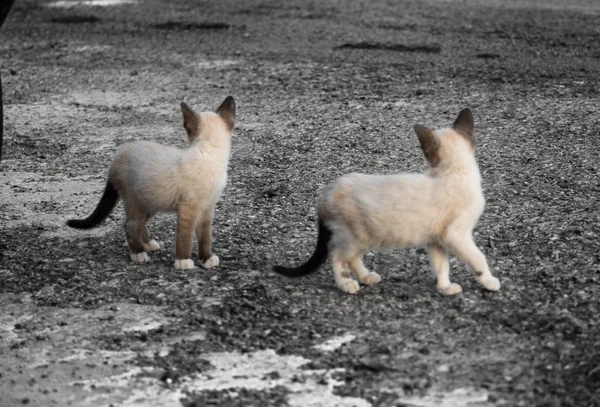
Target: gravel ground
{"x": 323, "y": 88}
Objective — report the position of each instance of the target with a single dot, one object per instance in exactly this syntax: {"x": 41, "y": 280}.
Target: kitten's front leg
{"x": 186, "y": 221}
{"x": 464, "y": 247}
{"x": 204, "y": 236}
{"x": 364, "y": 276}
{"x": 439, "y": 261}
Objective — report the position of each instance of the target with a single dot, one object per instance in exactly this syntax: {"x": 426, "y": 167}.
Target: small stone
{"x": 443, "y": 368}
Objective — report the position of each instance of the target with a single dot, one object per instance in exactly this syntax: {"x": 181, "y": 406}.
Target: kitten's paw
{"x": 452, "y": 289}
{"x": 371, "y": 278}
{"x": 152, "y": 246}
{"x": 184, "y": 264}
{"x": 213, "y": 261}
{"x": 139, "y": 257}
{"x": 490, "y": 283}
{"x": 348, "y": 285}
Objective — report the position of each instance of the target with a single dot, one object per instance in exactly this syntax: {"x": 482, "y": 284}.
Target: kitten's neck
{"x": 466, "y": 169}
{"x": 219, "y": 149}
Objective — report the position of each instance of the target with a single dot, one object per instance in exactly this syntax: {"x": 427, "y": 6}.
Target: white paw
{"x": 491, "y": 283}
{"x": 452, "y": 289}
{"x": 152, "y": 246}
{"x": 371, "y": 278}
{"x": 213, "y": 261}
{"x": 139, "y": 257}
{"x": 184, "y": 264}
{"x": 348, "y": 285}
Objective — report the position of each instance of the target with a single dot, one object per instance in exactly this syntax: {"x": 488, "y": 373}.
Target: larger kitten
{"x": 440, "y": 208}
{"x": 152, "y": 178}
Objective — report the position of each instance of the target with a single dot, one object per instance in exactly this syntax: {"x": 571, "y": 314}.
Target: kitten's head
{"x": 209, "y": 125}
{"x": 448, "y": 144}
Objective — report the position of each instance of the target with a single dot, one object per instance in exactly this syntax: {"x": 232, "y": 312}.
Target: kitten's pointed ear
{"x": 429, "y": 144}
{"x": 227, "y": 111}
{"x": 191, "y": 121}
{"x": 464, "y": 126}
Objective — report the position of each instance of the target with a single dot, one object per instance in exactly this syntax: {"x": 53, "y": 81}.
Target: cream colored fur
{"x": 152, "y": 246}
{"x": 156, "y": 178}
{"x": 184, "y": 264}
{"x": 152, "y": 178}
{"x": 438, "y": 209}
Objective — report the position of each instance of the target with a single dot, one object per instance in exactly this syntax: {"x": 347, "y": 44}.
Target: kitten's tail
{"x": 319, "y": 256}
{"x": 105, "y": 206}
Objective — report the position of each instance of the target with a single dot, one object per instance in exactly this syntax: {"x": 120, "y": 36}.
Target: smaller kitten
{"x": 359, "y": 212}
{"x": 152, "y": 178}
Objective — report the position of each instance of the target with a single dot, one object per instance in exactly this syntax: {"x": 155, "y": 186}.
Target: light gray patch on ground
{"x": 59, "y": 345}
{"x": 89, "y": 3}
{"x": 45, "y": 201}
{"x": 461, "y": 397}
{"x": 217, "y": 64}
{"x": 109, "y": 98}
{"x": 231, "y": 371}
{"x": 334, "y": 343}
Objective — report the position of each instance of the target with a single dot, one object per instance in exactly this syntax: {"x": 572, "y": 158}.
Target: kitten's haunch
{"x": 105, "y": 206}
{"x": 319, "y": 256}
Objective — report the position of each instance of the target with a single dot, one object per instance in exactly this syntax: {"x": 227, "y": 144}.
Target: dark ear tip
{"x": 184, "y": 106}
{"x": 227, "y": 109}
{"x": 466, "y": 112}
{"x": 421, "y": 130}
{"x": 229, "y": 101}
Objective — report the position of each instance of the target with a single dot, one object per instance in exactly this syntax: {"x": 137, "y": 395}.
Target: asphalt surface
{"x": 322, "y": 89}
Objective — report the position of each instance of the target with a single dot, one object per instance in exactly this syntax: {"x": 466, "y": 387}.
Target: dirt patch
{"x": 75, "y": 20}
{"x": 178, "y": 25}
{"x": 427, "y": 49}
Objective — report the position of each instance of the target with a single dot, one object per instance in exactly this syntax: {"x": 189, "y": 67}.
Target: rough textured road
{"x": 323, "y": 88}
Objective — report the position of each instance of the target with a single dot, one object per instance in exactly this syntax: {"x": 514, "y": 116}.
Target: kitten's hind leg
{"x": 341, "y": 274}
{"x": 133, "y": 230}
{"x": 186, "y": 222}
{"x": 364, "y": 276}
{"x": 150, "y": 245}
{"x": 463, "y": 246}
{"x": 439, "y": 261}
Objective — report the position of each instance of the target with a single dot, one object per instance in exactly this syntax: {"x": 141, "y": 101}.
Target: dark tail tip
{"x": 318, "y": 257}
{"x": 290, "y": 271}
{"x": 105, "y": 206}
{"x": 76, "y": 223}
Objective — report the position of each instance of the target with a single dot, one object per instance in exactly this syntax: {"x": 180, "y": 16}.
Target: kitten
{"x": 359, "y": 212}
{"x": 152, "y": 178}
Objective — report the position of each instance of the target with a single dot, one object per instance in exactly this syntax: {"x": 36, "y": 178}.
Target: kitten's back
{"x": 380, "y": 211}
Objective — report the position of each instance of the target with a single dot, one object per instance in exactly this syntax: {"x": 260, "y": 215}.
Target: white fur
{"x": 152, "y": 246}
{"x": 213, "y": 261}
{"x": 184, "y": 264}
{"x": 139, "y": 257}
